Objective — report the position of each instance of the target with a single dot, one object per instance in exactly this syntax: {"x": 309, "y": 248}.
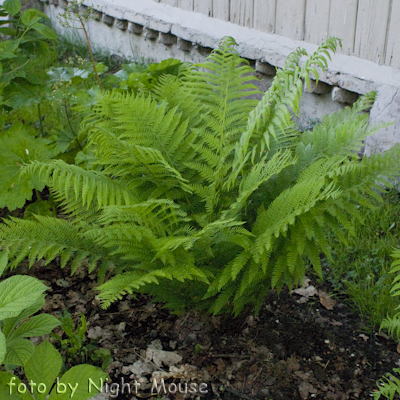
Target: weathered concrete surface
{"x": 345, "y": 72}
{"x": 386, "y": 109}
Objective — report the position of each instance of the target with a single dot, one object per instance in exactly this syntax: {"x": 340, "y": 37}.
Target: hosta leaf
{"x": 31, "y": 16}
{"x": 19, "y": 351}
{"x": 18, "y": 292}
{"x": 38, "y": 325}
{"x": 18, "y": 146}
{"x": 3, "y": 260}
{"x": 11, "y": 323}
{"x": 84, "y": 378}
{"x": 43, "y": 367}
{"x": 2, "y": 347}
{"x": 44, "y": 30}
{"x": 12, "y": 6}
{"x": 9, "y": 388}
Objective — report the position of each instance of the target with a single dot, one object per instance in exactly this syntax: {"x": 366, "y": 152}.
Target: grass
{"x": 361, "y": 270}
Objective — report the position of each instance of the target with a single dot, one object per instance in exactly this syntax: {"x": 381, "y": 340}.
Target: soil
{"x": 298, "y": 347}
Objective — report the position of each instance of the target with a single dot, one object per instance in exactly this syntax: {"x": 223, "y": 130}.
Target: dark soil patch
{"x": 290, "y": 351}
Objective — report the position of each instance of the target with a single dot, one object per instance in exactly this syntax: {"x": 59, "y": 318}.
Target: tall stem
{"x": 91, "y": 54}
{"x": 70, "y": 126}
{"x": 40, "y": 119}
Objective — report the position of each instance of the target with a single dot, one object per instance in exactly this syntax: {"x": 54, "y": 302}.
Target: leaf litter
{"x": 292, "y": 350}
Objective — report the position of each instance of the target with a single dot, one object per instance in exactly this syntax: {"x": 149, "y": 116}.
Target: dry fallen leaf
{"x": 139, "y": 368}
{"x": 306, "y": 292}
{"x": 326, "y": 300}
{"x": 293, "y": 364}
{"x": 220, "y": 364}
{"x": 155, "y": 353}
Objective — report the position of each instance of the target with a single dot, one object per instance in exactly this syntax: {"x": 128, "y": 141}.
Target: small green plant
{"x": 198, "y": 348}
{"x": 42, "y": 372}
{"x": 20, "y": 298}
{"x": 76, "y": 345}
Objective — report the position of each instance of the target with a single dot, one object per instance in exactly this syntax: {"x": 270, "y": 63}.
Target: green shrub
{"x": 202, "y": 196}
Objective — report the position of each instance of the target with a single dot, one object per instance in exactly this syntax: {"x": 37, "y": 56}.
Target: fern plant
{"x": 388, "y": 386}
{"x": 202, "y": 196}
{"x": 392, "y": 324}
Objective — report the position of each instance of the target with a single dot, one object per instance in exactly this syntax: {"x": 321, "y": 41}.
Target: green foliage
{"x": 20, "y": 298}
{"x": 137, "y": 77}
{"x": 388, "y": 386}
{"x": 76, "y": 345}
{"x": 203, "y": 197}
{"x": 18, "y": 146}
{"x": 361, "y": 267}
{"x": 24, "y": 55}
{"x": 42, "y": 371}
{"x": 392, "y": 324}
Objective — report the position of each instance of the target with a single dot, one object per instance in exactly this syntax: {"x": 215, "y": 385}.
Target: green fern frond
{"x": 388, "y": 386}
{"x": 47, "y": 238}
{"x": 72, "y": 183}
{"x": 392, "y": 326}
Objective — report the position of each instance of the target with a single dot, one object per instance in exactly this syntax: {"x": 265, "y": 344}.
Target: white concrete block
{"x": 344, "y": 96}
{"x": 108, "y": 19}
{"x": 184, "y": 45}
{"x": 167, "y": 38}
{"x": 321, "y": 88}
{"x": 135, "y": 28}
{"x": 265, "y": 68}
{"x": 121, "y": 24}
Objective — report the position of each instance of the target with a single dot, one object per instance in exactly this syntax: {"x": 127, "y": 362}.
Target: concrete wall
{"x": 150, "y": 30}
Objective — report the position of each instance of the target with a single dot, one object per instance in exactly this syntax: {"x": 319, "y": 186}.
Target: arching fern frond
{"x": 72, "y": 183}
{"x": 47, "y": 238}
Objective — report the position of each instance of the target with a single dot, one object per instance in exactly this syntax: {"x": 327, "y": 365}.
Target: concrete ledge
{"x": 191, "y": 36}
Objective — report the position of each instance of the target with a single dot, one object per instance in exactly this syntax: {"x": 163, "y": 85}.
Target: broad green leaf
{"x": 9, "y": 384}
{"x": 3, "y": 347}
{"x": 11, "y": 323}
{"x": 3, "y": 260}
{"x": 45, "y": 31}
{"x": 19, "y": 351}
{"x": 7, "y": 49}
{"x": 12, "y": 6}
{"x": 8, "y": 31}
{"x": 31, "y": 16}
{"x": 79, "y": 383}
{"x": 24, "y": 94}
{"x": 38, "y": 325}
{"x": 18, "y": 292}
{"x": 19, "y": 146}
{"x": 43, "y": 367}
